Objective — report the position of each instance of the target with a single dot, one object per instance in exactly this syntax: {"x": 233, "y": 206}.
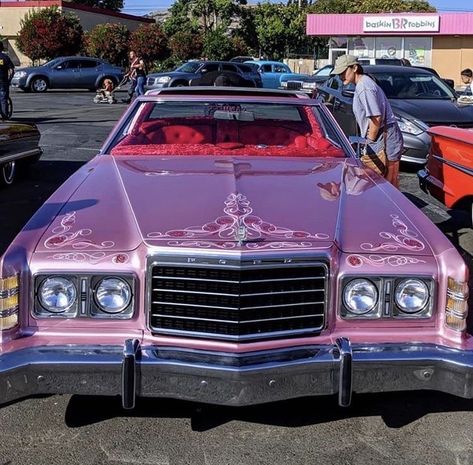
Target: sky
{"x": 141, "y": 7}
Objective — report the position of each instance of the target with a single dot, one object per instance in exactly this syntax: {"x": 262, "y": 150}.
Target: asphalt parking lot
{"x": 396, "y": 428}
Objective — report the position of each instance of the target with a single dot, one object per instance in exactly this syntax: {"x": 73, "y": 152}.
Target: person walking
{"x": 6, "y": 73}
{"x": 373, "y": 114}
{"x": 137, "y": 75}
{"x": 467, "y": 79}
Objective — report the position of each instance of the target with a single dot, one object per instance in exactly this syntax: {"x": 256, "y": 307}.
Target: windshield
{"x": 190, "y": 67}
{"x": 325, "y": 71}
{"x": 413, "y": 86}
{"x": 228, "y": 128}
{"x": 53, "y": 62}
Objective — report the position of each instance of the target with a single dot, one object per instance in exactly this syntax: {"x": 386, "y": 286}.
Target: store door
{"x": 334, "y": 53}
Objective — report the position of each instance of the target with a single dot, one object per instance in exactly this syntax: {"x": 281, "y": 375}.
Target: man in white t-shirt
{"x": 467, "y": 79}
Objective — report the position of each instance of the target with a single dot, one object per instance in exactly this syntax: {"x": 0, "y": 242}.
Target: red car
{"x": 448, "y": 175}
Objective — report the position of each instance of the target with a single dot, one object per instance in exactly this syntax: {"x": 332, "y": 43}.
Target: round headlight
{"x": 113, "y": 295}
{"x": 360, "y": 296}
{"x": 57, "y": 294}
{"x": 411, "y": 295}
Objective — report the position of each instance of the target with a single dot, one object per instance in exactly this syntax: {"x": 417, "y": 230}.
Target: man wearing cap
{"x": 373, "y": 114}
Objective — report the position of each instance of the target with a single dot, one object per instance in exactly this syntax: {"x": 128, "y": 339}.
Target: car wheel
{"x": 39, "y": 84}
{"x": 7, "y": 173}
{"x": 179, "y": 84}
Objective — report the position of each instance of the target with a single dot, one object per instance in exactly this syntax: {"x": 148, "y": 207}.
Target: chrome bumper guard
{"x": 234, "y": 379}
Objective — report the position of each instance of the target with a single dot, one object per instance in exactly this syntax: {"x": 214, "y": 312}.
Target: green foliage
{"x": 110, "y": 42}
{"x": 217, "y": 45}
{"x": 370, "y": 6}
{"x": 46, "y": 34}
{"x": 186, "y": 45}
{"x": 168, "y": 64}
{"x": 149, "y": 42}
{"x": 115, "y": 5}
{"x": 180, "y": 19}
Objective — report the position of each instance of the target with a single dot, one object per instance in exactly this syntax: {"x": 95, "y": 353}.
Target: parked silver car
{"x": 66, "y": 73}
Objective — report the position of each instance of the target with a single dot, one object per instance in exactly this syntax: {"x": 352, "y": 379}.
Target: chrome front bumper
{"x": 234, "y": 379}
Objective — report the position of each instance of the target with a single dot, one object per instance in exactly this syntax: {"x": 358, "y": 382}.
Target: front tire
{"x": 7, "y": 173}
{"x": 39, "y": 85}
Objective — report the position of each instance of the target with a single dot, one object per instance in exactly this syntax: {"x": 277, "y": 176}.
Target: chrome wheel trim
{"x": 39, "y": 85}
{"x": 8, "y": 172}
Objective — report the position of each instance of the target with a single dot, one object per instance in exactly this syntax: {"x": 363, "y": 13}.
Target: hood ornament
{"x": 241, "y": 234}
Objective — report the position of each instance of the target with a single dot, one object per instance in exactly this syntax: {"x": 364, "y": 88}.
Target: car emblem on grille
{"x": 241, "y": 234}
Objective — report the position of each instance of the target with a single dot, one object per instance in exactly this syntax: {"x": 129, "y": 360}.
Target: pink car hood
{"x": 253, "y": 203}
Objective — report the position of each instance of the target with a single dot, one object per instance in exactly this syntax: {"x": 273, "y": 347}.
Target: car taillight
{"x": 9, "y": 290}
{"x": 457, "y": 305}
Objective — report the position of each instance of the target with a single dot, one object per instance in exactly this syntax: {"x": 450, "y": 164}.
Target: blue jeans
{"x": 4, "y": 94}
{"x": 140, "y": 85}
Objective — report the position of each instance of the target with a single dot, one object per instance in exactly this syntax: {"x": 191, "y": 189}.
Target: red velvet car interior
{"x": 209, "y": 136}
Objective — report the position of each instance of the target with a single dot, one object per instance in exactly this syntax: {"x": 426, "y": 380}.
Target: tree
{"x": 149, "y": 42}
{"x": 215, "y": 14}
{"x": 110, "y": 42}
{"x": 47, "y": 33}
{"x": 186, "y": 45}
{"x": 114, "y": 5}
{"x": 180, "y": 19}
{"x": 370, "y": 6}
{"x": 218, "y": 45}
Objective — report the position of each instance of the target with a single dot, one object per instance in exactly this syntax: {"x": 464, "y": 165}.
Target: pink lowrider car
{"x": 226, "y": 246}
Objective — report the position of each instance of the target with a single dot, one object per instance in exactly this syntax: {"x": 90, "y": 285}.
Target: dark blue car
{"x": 194, "y": 72}
{"x": 66, "y": 73}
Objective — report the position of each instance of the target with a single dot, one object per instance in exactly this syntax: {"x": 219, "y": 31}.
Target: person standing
{"x": 137, "y": 74}
{"x": 467, "y": 79}
{"x": 6, "y": 73}
{"x": 373, "y": 114}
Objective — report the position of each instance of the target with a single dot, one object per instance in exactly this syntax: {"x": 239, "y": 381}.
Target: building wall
{"x": 451, "y": 54}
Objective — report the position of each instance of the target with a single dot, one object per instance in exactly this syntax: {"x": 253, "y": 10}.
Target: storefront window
{"x": 338, "y": 42}
{"x": 388, "y": 47}
{"x": 361, "y": 47}
{"x": 418, "y": 50}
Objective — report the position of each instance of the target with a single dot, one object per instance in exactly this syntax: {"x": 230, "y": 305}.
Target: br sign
{"x": 407, "y": 23}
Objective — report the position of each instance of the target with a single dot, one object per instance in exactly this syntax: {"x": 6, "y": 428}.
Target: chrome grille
{"x": 238, "y": 301}
{"x": 294, "y": 85}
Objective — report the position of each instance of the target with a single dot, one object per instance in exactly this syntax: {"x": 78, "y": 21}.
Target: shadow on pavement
{"x": 396, "y": 409}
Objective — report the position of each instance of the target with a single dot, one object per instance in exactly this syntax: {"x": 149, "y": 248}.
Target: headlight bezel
{"x": 373, "y": 313}
{"x": 98, "y": 311}
{"x": 41, "y": 310}
{"x": 85, "y": 306}
{"x": 387, "y": 308}
{"x": 425, "y": 312}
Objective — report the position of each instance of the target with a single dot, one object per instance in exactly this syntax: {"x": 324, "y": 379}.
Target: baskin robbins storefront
{"x": 443, "y": 41}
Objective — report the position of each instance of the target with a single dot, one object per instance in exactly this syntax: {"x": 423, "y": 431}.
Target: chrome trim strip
{"x": 130, "y": 353}
{"x": 237, "y": 295}
{"x": 312, "y": 331}
{"x": 453, "y": 164}
{"x": 9, "y": 293}
{"x": 237, "y": 322}
{"x": 17, "y": 156}
{"x": 346, "y": 372}
{"x": 177, "y": 304}
{"x": 237, "y": 282}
